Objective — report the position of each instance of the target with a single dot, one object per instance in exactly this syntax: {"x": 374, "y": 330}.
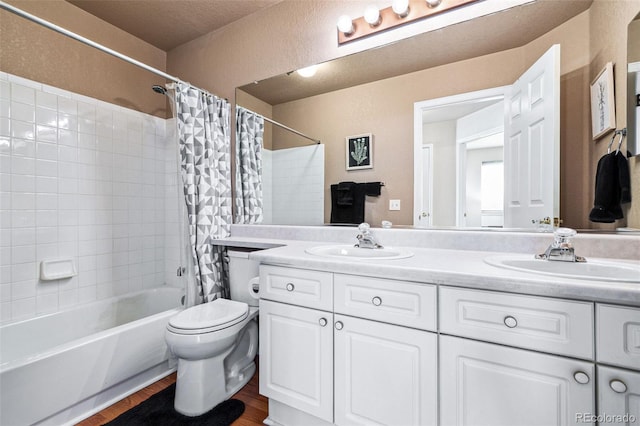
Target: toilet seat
{"x": 209, "y": 317}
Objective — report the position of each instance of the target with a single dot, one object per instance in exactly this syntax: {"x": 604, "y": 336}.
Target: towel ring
{"x": 622, "y": 133}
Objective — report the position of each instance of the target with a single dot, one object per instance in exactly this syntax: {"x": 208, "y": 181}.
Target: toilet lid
{"x": 221, "y": 313}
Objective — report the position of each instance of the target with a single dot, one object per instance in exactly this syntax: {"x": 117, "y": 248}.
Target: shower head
{"x": 159, "y": 89}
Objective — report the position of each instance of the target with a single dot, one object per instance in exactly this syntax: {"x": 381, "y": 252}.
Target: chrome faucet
{"x": 561, "y": 248}
{"x": 365, "y": 238}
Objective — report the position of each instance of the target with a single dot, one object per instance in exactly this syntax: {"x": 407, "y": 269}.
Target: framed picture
{"x": 359, "y": 152}
{"x": 603, "y": 112}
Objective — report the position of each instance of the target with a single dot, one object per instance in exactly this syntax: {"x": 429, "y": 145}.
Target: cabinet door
{"x": 296, "y": 357}
{"x": 384, "y": 374}
{"x": 618, "y": 396}
{"x": 487, "y": 384}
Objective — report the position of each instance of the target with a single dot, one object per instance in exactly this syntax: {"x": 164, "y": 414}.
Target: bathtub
{"x": 63, "y": 367}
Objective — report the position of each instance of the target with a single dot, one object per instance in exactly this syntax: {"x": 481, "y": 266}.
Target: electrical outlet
{"x": 394, "y": 204}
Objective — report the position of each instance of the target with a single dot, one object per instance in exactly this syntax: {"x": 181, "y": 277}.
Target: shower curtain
{"x": 205, "y": 155}
{"x": 249, "y": 134}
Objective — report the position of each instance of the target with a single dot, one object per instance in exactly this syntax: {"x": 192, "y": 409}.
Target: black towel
{"x": 613, "y": 187}
{"x": 347, "y": 203}
{"x": 372, "y": 189}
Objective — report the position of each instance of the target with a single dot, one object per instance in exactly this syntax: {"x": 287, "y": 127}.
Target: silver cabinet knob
{"x": 323, "y": 322}
{"x": 339, "y": 325}
{"x": 510, "y": 321}
{"x": 290, "y": 286}
{"x": 618, "y": 386}
{"x": 376, "y": 301}
{"x": 581, "y": 377}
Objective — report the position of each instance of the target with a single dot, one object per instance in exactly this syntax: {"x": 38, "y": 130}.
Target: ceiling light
{"x": 345, "y": 25}
{"x": 372, "y": 15}
{"x": 433, "y": 3}
{"x": 400, "y": 7}
{"x": 308, "y": 71}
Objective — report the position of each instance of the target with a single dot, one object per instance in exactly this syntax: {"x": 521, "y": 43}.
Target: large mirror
{"x": 633, "y": 86}
{"x": 374, "y": 93}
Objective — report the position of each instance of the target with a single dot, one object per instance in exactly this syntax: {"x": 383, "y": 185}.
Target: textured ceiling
{"x": 169, "y": 23}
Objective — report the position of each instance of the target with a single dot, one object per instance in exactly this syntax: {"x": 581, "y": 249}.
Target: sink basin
{"x": 351, "y": 252}
{"x": 590, "y": 270}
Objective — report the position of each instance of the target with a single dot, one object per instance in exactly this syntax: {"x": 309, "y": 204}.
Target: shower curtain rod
{"x": 92, "y": 43}
{"x": 317, "y": 141}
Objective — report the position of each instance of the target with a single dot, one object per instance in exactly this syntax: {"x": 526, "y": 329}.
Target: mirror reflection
{"x": 383, "y": 106}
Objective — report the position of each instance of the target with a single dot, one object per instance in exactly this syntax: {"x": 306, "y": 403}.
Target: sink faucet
{"x": 366, "y": 238}
{"x": 561, "y": 248}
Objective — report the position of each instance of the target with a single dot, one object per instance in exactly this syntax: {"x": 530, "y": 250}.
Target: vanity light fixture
{"x": 372, "y": 15}
{"x": 399, "y": 13}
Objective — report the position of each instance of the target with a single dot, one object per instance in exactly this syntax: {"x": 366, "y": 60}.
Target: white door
{"x": 296, "y": 357}
{"x": 618, "y": 395}
{"x": 384, "y": 374}
{"x": 532, "y": 143}
{"x": 423, "y": 210}
{"x": 493, "y": 385}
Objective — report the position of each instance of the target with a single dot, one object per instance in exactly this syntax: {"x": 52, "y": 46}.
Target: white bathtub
{"x": 63, "y": 367}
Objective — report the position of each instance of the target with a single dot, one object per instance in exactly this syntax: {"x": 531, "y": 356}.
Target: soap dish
{"x": 57, "y": 269}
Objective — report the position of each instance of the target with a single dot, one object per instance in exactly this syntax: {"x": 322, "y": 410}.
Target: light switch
{"x": 394, "y": 204}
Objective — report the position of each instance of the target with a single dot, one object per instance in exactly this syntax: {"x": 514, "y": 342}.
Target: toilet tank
{"x": 241, "y": 272}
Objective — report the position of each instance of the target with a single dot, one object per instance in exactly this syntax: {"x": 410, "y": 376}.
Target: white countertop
{"x": 461, "y": 268}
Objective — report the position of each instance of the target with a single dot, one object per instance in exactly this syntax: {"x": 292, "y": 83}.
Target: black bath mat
{"x": 158, "y": 411}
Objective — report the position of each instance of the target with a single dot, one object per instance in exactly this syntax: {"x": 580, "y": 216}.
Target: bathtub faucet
{"x": 366, "y": 238}
{"x": 561, "y": 248}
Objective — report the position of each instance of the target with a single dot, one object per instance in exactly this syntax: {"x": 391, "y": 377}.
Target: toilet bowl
{"x": 216, "y": 344}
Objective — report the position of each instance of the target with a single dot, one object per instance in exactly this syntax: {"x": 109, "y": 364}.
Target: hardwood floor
{"x": 255, "y": 411}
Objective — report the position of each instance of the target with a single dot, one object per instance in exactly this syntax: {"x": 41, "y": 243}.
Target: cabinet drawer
{"x": 391, "y": 301}
{"x": 312, "y": 289}
{"x": 618, "y": 335}
{"x": 549, "y": 325}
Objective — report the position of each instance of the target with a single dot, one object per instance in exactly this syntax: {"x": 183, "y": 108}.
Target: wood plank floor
{"x": 255, "y": 411}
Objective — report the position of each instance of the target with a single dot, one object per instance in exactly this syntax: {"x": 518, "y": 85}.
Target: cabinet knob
{"x": 376, "y": 301}
{"x": 510, "y": 321}
{"x": 618, "y": 386}
{"x": 323, "y": 322}
{"x": 290, "y": 286}
{"x": 339, "y": 325}
{"x": 581, "y": 377}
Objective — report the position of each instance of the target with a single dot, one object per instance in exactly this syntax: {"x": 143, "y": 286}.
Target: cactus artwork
{"x": 359, "y": 152}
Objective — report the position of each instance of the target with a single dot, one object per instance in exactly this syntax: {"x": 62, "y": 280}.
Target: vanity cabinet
{"x": 488, "y": 384}
{"x": 296, "y": 357}
{"x": 367, "y": 360}
{"x": 384, "y": 374}
{"x": 618, "y": 353}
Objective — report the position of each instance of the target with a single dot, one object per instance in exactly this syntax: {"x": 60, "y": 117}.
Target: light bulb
{"x": 345, "y": 24}
{"x": 400, "y": 7}
{"x": 372, "y": 15}
{"x": 308, "y": 71}
{"x": 433, "y": 3}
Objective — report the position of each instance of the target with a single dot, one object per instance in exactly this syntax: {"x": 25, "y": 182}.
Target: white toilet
{"x": 216, "y": 342}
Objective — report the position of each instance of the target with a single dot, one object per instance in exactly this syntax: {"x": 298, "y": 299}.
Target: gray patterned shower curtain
{"x": 205, "y": 157}
{"x": 249, "y": 134}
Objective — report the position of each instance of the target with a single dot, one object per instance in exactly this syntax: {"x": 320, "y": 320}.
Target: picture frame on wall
{"x": 359, "y": 151}
{"x": 603, "y": 113}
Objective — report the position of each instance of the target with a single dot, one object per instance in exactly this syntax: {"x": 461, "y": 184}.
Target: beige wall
{"x": 31, "y": 51}
{"x": 608, "y": 43}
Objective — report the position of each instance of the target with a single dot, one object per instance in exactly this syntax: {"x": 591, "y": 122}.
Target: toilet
{"x": 216, "y": 342}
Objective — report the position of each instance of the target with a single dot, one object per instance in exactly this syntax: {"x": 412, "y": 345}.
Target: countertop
{"x": 460, "y": 268}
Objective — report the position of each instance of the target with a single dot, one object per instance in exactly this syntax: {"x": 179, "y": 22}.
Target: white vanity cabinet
{"x": 347, "y": 367}
{"x": 618, "y": 353}
{"x": 487, "y": 383}
{"x": 296, "y": 357}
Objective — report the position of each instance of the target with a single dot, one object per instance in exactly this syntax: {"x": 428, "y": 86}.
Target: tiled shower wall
{"x": 85, "y": 180}
{"x": 293, "y": 186}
